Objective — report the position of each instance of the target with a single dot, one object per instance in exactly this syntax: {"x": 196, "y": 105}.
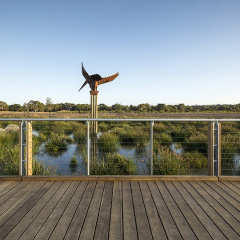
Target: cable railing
{"x": 122, "y": 147}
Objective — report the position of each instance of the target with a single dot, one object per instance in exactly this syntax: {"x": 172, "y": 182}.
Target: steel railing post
{"x": 217, "y": 149}
{"x": 211, "y": 148}
{"x": 22, "y": 144}
{"x": 88, "y": 149}
{"x": 151, "y": 148}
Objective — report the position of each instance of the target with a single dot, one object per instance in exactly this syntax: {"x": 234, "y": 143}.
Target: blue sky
{"x": 166, "y": 51}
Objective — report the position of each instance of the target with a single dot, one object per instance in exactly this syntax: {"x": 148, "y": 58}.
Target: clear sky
{"x": 166, "y": 51}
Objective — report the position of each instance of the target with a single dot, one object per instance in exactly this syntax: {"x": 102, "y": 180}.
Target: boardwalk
{"x": 119, "y": 210}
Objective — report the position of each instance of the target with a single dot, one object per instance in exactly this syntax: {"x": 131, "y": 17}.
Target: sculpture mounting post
{"x": 94, "y": 81}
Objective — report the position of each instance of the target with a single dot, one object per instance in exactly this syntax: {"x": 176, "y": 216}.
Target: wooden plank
{"x": 236, "y": 184}
{"x": 13, "y": 202}
{"x": 229, "y": 191}
{"x": 218, "y": 197}
{"x": 103, "y": 222}
{"x": 29, "y": 148}
{"x": 49, "y": 225}
{"x": 187, "y": 212}
{"x": 166, "y": 218}
{"x": 129, "y": 222}
{"x": 116, "y": 223}
{"x": 10, "y": 190}
{"x": 121, "y": 178}
{"x": 217, "y": 219}
{"x": 40, "y": 219}
{"x": 152, "y": 213}
{"x": 232, "y": 187}
{"x": 229, "y": 219}
{"x": 31, "y": 198}
{"x": 183, "y": 226}
{"x": 142, "y": 223}
{"x": 10, "y": 178}
{"x": 90, "y": 222}
{"x": 229, "y": 178}
{"x": 4, "y": 184}
{"x": 77, "y": 222}
{"x": 205, "y": 220}
{"x": 64, "y": 222}
{"x": 18, "y": 230}
{"x": 224, "y": 194}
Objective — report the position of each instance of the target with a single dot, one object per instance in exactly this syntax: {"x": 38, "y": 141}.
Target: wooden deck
{"x": 120, "y": 210}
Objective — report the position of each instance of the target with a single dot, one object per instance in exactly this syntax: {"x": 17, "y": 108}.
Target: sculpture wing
{"x": 108, "y": 79}
{"x": 86, "y": 76}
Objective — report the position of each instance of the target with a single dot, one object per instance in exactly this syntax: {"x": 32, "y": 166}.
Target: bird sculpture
{"x": 95, "y": 79}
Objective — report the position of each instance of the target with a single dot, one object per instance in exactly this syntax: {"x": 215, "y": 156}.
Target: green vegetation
{"x": 9, "y": 156}
{"x": 179, "y": 147}
{"x": 134, "y": 135}
{"x": 167, "y": 162}
{"x": 108, "y": 142}
{"x": 49, "y": 106}
{"x": 114, "y": 164}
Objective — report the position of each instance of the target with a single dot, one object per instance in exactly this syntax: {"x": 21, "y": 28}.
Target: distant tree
{"x": 145, "y": 107}
{"x": 117, "y": 107}
{"x": 25, "y": 107}
{"x": 133, "y": 108}
{"x": 103, "y": 107}
{"x": 161, "y": 107}
{"x": 49, "y": 105}
{"x": 181, "y": 107}
{"x": 15, "y": 107}
{"x": 35, "y": 106}
{"x": 3, "y": 106}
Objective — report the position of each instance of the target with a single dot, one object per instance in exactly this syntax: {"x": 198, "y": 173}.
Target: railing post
{"x": 29, "y": 148}
{"x": 151, "y": 148}
{"x": 217, "y": 149}
{"x": 88, "y": 149}
{"x": 22, "y": 145}
{"x": 211, "y": 148}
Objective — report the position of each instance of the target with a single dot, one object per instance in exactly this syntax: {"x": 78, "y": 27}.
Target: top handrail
{"x": 125, "y": 120}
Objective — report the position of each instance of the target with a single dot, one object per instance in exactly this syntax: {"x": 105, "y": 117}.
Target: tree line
{"x": 49, "y": 106}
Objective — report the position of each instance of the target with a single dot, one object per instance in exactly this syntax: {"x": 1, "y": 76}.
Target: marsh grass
{"x": 114, "y": 164}
{"x": 9, "y": 157}
{"x": 56, "y": 142}
{"x": 108, "y": 143}
{"x": 133, "y": 135}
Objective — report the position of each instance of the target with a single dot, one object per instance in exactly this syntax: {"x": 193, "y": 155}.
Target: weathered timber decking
{"x": 120, "y": 210}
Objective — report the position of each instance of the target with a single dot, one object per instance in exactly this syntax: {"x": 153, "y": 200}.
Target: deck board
{"x": 193, "y": 221}
{"x": 166, "y": 218}
{"x": 212, "y": 212}
{"x": 116, "y": 224}
{"x": 142, "y": 222}
{"x": 155, "y": 222}
{"x": 119, "y": 210}
{"x": 129, "y": 222}
{"x": 179, "y": 219}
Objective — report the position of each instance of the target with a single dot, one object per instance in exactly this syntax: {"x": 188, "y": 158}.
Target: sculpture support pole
{"x": 94, "y": 126}
{"x": 94, "y": 112}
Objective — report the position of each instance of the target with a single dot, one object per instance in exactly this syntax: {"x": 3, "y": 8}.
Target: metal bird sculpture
{"x": 95, "y": 79}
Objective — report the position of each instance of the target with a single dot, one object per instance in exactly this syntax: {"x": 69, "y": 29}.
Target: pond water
{"x": 61, "y": 161}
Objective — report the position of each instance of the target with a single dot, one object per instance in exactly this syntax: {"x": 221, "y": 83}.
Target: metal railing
{"x": 167, "y": 146}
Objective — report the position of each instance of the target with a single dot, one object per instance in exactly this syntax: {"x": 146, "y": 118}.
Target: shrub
{"x": 166, "y": 162}
{"x": 108, "y": 142}
{"x": 56, "y": 143}
{"x": 114, "y": 164}
{"x": 197, "y": 141}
